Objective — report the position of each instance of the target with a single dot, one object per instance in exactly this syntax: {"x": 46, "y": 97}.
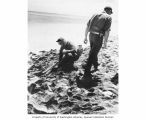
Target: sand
{"x": 53, "y": 92}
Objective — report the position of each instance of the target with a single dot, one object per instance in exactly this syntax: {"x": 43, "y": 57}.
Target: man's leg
{"x": 67, "y": 61}
{"x": 97, "y": 47}
{"x": 96, "y": 44}
{"x": 91, "y": 53}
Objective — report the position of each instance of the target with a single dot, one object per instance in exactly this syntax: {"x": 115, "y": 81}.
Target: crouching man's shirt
{"x": 67, "y": 46}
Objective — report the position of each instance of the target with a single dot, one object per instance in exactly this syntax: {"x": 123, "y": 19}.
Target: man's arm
{"x": 107, "y": 30}
{"x": 106, "y": 35}
{"x": 86, "y": 34}
{"x": 88, "y": 27}
{"x": 60, "y": 57}
{"x": 60, "y": 54}
{"x": 72, "y": 49}
{"x": 69, "y": 51}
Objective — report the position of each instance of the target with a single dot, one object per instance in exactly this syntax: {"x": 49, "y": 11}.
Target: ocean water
{"x": 42, "y": 34}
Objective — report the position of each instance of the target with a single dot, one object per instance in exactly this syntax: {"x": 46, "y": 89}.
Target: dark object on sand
{"x": 76, "y": 107}
{"x": 91, "y": 94}
{"x": 98, "y": 108}
{"x": 50, "y": 102}
{"x": 33, "y": 89}
{"x": 32, "y": 110}
{"x": 51, "y": 69}
{"x": 91, "y": 90}
{"x": 85, "y": 81}
{"x": 115, "y": 79}
{"x": 78, "y": 97}
{"x": 65, "y": 104}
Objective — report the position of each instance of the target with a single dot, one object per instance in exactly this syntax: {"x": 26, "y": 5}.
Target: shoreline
{"x": 58, "y": 47}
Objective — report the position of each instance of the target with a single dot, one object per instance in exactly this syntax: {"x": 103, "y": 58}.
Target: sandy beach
{"x": 58, "y": 92}
{"x": 61, "y": 92}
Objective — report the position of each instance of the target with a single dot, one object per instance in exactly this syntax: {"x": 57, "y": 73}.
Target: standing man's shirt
{"x": 100, "y": 23}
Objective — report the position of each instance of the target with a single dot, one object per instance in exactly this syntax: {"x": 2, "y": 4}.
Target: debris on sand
{"x": 51, "y": 91}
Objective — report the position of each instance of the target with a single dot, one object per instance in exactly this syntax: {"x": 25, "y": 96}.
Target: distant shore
{"x": 54, "y": 17}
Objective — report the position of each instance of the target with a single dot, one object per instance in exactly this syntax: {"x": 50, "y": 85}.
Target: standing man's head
{"x": 108, "y": 10}
{"x": 61, "y": 41}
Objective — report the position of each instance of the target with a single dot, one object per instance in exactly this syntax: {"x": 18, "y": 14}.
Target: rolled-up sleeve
{"x": 89, "y": 22}
{"x": 108, "y": 24}
{"x": 72, "y": 47}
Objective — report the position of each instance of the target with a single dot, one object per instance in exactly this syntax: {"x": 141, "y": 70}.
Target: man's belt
{"x": 97, "y": 33}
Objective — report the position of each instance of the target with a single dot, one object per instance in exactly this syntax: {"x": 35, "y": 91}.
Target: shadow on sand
{"x": 86, "y": 81}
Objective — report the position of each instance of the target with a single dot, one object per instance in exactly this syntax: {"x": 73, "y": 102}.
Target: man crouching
{"x": 67, "y": 55}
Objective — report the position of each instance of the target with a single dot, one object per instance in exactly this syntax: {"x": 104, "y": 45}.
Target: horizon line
{"x": 47, "y": 13}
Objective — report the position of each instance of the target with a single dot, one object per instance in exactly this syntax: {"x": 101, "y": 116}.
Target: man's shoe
{"x": 84, "y": 66}
{"x": 75, "y": 68}
{"x": 95, "y": 69}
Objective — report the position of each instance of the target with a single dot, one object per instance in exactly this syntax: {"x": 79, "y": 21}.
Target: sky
{"x": 72, "y": 7}
{"x": 40, "y": 34}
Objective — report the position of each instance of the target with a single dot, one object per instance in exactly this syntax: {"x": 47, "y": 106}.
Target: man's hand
{"x": 106, "y": 38}
{"x": 104, "y": 46}
{"x": 64, "y": 51}
{"x": 85, "y": 41}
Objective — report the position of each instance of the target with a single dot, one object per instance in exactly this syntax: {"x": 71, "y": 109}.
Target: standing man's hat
{"x": 108, "y": 8}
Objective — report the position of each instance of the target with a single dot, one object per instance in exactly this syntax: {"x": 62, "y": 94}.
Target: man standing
{"x": 67, "y": 54}
{"x": 98, "y": 28}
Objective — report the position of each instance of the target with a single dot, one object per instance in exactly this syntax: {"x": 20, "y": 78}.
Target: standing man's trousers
{"x": 95, "y": 45}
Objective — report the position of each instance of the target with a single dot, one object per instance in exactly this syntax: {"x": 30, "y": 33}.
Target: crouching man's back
{"x": 67, "y": 54}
